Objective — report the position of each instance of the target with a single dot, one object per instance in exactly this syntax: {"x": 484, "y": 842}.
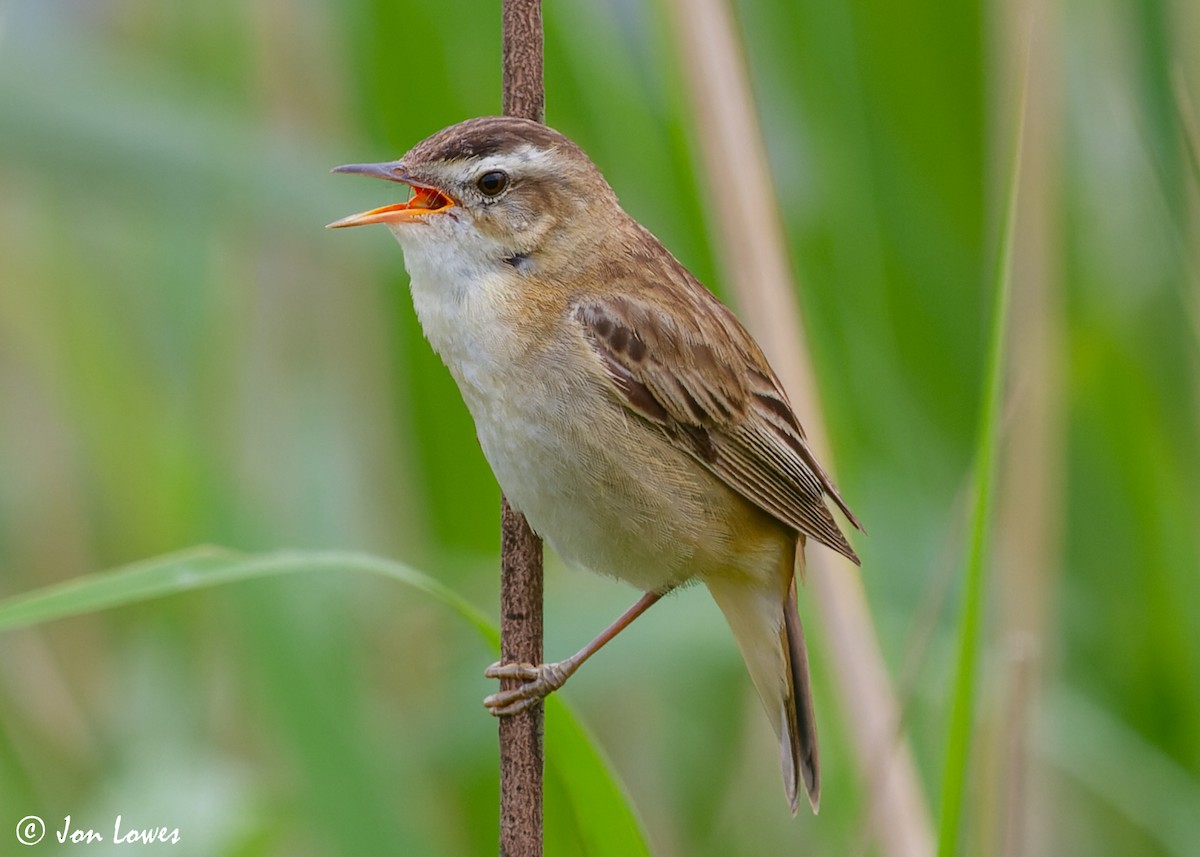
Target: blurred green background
{"x": 186, "y": 356}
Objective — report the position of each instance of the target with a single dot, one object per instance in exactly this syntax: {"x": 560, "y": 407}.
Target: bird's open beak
{"x": 424, "y": 201}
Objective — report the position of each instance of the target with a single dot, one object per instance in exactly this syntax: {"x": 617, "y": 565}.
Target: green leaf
{"x": 590, "y": 809}
{"x": 584, "y": 804}
{"x": 208, "y": 565}
{"x": 987, "y": 445}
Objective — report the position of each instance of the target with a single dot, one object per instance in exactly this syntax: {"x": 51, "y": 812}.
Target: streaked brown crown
{"x": 489, "y": 135}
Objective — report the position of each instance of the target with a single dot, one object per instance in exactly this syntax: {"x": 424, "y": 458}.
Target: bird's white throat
{"x": 460, "y": 287}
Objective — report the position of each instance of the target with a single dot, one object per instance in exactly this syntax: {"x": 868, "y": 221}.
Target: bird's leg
{"x": 542, "y": 680}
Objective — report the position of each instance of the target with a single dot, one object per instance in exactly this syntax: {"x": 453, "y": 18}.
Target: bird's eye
{"x": 492, "y": 182}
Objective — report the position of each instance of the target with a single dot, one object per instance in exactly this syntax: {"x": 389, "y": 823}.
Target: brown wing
{"x": 707, "y": 386}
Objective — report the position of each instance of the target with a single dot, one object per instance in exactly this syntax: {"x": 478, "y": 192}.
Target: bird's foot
{"x": 539, "y": 682}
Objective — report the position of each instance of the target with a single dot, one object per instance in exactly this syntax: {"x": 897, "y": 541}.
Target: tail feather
{"x": 768, "y": 633}
{"x": 800, "y": 747}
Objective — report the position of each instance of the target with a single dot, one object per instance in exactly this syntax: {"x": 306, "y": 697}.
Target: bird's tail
{"x": 801, "y": 741}
{"x": 768, "y": 632}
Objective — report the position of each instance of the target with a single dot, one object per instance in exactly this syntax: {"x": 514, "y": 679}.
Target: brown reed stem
{"x": 521, "y": 746}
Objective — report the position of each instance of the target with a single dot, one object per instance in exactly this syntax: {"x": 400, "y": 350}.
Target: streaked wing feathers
{"x": 706, "y": 385}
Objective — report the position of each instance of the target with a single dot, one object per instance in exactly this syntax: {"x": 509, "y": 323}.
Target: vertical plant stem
{"x": 1031, "y": 498}
{"x": 961, "y": 735}
{"x": 521, "y": 735}
{"x": 521, "y": 747}
{"x": 524, "y": 91}
{"x": 756, "y": 266}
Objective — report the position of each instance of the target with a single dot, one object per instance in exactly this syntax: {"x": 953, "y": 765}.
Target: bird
{"x": 622, "y": 407}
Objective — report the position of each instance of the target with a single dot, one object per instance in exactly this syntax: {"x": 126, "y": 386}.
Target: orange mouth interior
{"x": 423, "y": 202}
{"x": 428, "y": 198}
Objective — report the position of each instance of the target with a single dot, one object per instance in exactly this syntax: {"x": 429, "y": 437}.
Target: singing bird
{"x": 621, "y": 406}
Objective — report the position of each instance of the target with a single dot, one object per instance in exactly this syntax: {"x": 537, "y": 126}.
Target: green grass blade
{"x": 591, "y": 809}
{"x": 204, "y": 566}
{"x": 598, "y": 820}
{"x": 987, "y": 443}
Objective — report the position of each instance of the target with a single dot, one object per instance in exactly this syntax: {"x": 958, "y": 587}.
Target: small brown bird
{"x": 622, "y": 408}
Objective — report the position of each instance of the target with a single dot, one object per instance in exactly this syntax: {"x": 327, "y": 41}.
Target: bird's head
{"x": 496, "y": 189}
